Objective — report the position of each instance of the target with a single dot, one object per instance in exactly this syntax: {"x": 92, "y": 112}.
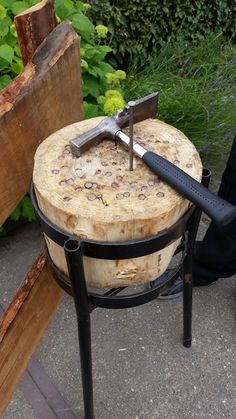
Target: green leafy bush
{"x": 10, "y": 56}
{"x": 98, "y": 75}
{"x": 93, "y": 49}
{"x": 23, "y": 212}
{"x": 139, "y": 28}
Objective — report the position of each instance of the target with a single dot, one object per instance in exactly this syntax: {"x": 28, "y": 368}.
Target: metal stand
{"x": 190, "y": 237}
{"x": 86, "y": 301}
{"x": 78, "y": 285}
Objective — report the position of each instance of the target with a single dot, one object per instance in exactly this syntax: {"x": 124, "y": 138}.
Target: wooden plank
{"x": 44, "y": 98}
{"x": 40, "y": 391}
{"x": 33, "y": 26}
{"x": 24, "y": 323}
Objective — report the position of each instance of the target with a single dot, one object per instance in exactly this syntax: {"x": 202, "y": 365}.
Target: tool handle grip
{"x": 219, "y": 210}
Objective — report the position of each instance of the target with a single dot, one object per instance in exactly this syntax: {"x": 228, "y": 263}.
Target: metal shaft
{"x": 138, "y": 150}
{"x": 131, "y": 134}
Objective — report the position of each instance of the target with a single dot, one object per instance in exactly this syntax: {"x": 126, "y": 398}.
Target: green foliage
{"x": 23, "y": 211}
{"x": 93, "y": 63}
{"x": 139, "y": 28}
{"x": 93, "y": 50}
{"x": 112, "y": 101}
{"x": 10, "y": 57}
{"x": 27, "y": 209}
{"x": 93, "y": 53}
{"x": 197, "y": 86}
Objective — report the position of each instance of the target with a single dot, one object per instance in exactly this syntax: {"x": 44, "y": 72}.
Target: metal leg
{"x": 187, "y": 268}
{"x": 73, "y": 254}
{"x": 190, "y": 236}
{"x": 187, "y": 294}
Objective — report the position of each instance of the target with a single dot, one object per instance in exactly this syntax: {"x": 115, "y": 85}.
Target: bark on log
{"x": 44, "y": 98}
{"x": 24, "y": 324}
{"x": 33, "y": 26}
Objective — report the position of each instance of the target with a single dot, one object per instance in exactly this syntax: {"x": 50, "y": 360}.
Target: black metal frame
{"x": 85, "y": 301}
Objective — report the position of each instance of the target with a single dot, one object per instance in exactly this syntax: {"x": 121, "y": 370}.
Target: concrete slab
{"x": 18, "y": 408}
{"x": 141, "y": 369}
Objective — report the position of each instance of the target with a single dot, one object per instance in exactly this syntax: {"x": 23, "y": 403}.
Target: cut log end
{"x": 96, "y": 197}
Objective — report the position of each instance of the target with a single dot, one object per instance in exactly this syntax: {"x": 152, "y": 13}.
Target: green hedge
{"x": 138, "y": 28}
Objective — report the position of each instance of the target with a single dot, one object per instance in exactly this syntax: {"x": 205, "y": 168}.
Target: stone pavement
{"x": 141, "y": 369}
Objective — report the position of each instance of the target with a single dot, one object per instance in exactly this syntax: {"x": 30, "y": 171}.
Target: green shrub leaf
{"x": 32, "y": 2}
{"x": 19, "y": 6}
{"x": 10, "y": 39}
{"x": 6, "y": 52}
{"x": 4, "y": 81}
{"x": 3, "y": 12}
{"x": 93, "y": 87}
{"x": 15, "y": 215}
{"x": 4, "y": 28}
{"x": 68, "y": 4}
{"x": 27, "y": 209}
{"x": 83, "y": 25}
{"x": 2, "y": 231}
{"x": 7, "y": 3}
{"x": 90, "y": 110}
{"x": 17, "y": 65}
{"x": 4, "y": 66}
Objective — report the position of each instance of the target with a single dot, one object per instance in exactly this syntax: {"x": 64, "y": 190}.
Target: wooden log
{"x": 16, "y": 304}
{"x": 96, "y": 197}
{"x": 44, "y": 98}
{"x": 24, "y": 324}
{"x": 33, "y": 26}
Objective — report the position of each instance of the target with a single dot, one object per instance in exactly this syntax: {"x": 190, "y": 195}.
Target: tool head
{"x": 143, "y": 108}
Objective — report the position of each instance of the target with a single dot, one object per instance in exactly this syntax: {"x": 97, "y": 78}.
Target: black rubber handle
{"x": 219, "y": 210}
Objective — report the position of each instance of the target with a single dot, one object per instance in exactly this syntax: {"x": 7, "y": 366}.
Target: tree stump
{"x": 97, "y": 197}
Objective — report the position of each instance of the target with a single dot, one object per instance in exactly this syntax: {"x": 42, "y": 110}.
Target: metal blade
{"x": 143, "y": 108}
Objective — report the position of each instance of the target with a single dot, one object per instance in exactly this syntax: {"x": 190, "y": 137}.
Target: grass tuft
{"x": 197, "y": 86}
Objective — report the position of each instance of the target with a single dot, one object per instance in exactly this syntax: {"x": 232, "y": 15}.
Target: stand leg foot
{"x": 76, "y": 273}
{"x": 187, "y": 343}
{"x": 187, "y": 309}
